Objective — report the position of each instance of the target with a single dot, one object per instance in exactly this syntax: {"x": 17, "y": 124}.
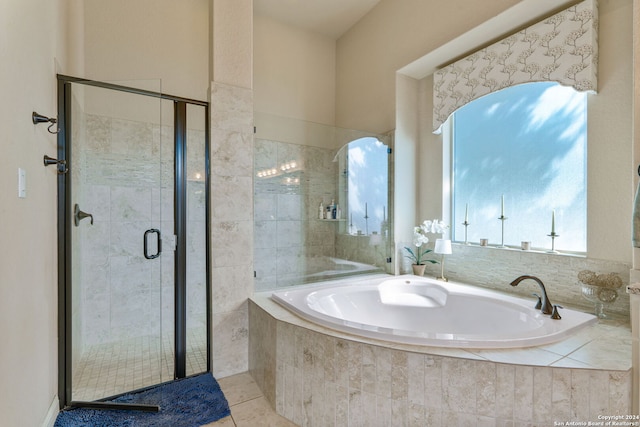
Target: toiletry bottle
{"x": 338, "y": 212}
{"x": 327, "y": 212}
{"x": 321, "y": 211}
{"x": 334, "y": 211}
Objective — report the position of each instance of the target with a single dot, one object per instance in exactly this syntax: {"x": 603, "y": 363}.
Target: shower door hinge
{"x": 389, "y": 260}
{"x": 172, "y": 241}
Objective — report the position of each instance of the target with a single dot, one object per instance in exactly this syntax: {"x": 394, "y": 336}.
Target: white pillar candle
{"x": 553, "y": 221}
{"x": 466, "y": 213}
{"x": 502, "y": 210}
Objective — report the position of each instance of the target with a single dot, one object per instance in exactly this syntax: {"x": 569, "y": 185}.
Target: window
{"x": 528, "y": 144}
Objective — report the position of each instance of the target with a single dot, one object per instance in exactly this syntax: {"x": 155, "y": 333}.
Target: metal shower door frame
{"x": 65, "y": 220}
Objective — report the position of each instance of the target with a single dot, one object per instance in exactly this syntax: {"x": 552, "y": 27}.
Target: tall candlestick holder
{"x": 553, "y": 236}
{"x": 502, "y": 218}
{"x": 466, "y": 224}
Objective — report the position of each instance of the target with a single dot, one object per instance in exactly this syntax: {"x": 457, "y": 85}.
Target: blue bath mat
{"x": 187, "y": 402}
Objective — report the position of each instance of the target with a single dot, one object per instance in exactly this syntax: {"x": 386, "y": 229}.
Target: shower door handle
{"x": 146, "y": 245}
{"x": 78, "y": 215}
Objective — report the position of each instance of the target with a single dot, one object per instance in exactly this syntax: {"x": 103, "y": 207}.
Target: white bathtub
{"x": 419, "y": 310}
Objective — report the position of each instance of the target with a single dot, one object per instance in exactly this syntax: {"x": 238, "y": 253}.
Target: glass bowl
{"x": 599, "y": 296}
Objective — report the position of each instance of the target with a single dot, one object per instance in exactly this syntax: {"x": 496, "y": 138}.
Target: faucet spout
{"x": 547, "y": 307}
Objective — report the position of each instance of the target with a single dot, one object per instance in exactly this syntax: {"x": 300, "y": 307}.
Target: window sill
{"x": 540, "y": 251}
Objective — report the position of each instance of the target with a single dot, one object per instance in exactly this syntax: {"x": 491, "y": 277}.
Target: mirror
{"x": 364, "y": 179}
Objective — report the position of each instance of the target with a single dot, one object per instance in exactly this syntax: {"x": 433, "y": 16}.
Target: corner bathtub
{"x": 419, "y": 310}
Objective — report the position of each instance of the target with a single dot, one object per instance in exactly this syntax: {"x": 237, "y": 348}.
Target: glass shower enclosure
{"x": 323, "y": 202}
{"x": 133, "y": 246}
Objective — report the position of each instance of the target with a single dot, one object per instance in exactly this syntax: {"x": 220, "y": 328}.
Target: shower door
{"x": 136, "y": 285}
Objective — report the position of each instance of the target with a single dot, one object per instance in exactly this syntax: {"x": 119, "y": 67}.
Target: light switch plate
{"x": 22, "y": 183}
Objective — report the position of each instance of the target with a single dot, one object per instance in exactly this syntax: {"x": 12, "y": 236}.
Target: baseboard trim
{"x": 52, "y": 413}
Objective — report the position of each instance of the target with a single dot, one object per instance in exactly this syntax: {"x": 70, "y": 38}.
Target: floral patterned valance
{"x": 562, "y": 48}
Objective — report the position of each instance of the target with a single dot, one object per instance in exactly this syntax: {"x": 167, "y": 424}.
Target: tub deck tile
{"x": 585, "y": 349}
{"x": 401, "y": 384}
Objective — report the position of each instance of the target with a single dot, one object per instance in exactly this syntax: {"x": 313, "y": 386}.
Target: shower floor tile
{"x": 109, "y": 369}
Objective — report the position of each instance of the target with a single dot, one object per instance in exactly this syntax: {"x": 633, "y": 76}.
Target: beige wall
{"x": 149, "y": 40}
{"x": 636, "y": 111}
{"x": 393, "y": 34}
{"x": 294, "y": 72}
{"x": 611, "y": 170}
{"x": 33, "y": 47}
{"x": 231, "y": 35}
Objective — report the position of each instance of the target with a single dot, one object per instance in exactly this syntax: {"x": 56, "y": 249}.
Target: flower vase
{"x": 418, "y": 269}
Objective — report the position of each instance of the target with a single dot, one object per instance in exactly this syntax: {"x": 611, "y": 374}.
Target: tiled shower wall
{"x": 115, "y": 275}
{"x": 292, "y": 245}
{"x": 364, "y": 249}
{"x": 496, "y": 268}
{"x": 231, "y": 224}
{"x": 127, "y": 170}
{"x": 78, "y": 132}
{"x": 289, "y": 237}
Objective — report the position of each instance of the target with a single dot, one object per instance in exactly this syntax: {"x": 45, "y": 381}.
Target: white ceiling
{"x": 331, "y": 18}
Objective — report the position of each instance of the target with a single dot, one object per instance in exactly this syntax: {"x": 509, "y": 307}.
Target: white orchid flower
{"x": 419, "y": 239}
{"x": 426, "y": 226}
{"x": 440, "y": 226}
{"x": 434, "y": 226}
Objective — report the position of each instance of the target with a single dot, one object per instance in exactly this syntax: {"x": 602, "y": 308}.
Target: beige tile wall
{"x": 318, "y": 380}
{"x": 496, "y": 268}
{"x": 231, "y": 224}
{"x": 128, "y": 192}
{"x": 291, "y": 244}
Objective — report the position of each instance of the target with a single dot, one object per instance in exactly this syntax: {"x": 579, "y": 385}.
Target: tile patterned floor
{"x": 249, "y": 408}
{"x": 109, "y": 369}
